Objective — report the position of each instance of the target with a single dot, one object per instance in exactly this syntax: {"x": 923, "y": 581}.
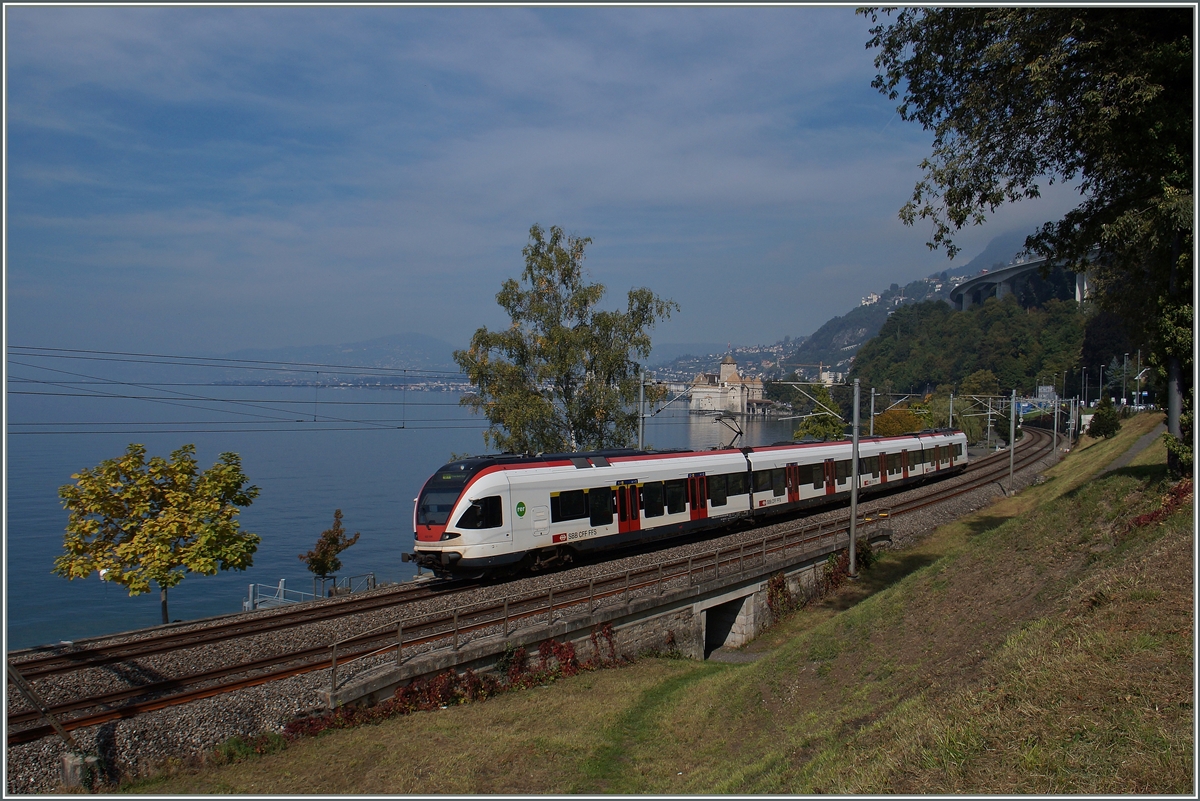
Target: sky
{"x": 198, "y": 180}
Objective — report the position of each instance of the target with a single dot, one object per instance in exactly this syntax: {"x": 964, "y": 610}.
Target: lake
{"x": 309, "y": 450}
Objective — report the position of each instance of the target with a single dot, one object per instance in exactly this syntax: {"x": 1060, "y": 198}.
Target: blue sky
{"x": 199, "y": 180}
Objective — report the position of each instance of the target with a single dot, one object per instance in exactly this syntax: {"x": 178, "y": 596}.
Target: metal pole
{"x": 989, "y": 426}
{"x": 1056, "y": 427}
{"x": 854, "y": 484}
{"x": 333, "y": 671}
{"x": 1138, "y": 399}
{"x": 37, "y": 703}
{"x": 642, "y": 411}
{"x": 506, "y": 617}
{"x": 1124, "y": 370}
{"x": 1012, "y": 438}
{"x": 872, "y": 411}
{"x": 951, "y": 410}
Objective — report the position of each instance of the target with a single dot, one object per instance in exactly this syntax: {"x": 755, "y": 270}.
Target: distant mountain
{"x": 1000, "y": 250}
{"x": 835, "y": 343}
{"x": 667, "y": 353}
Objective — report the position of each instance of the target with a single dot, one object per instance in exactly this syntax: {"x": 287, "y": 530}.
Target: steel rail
{"x": 430, "y": 629}
{"x": 162, "y": 642}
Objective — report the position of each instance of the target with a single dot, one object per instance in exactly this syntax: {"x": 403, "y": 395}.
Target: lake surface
{"x": 309, "y": 450}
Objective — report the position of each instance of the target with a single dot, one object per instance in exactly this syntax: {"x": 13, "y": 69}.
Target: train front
{"x": 458, "y": 519}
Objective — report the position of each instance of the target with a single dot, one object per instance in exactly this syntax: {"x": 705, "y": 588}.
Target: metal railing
{"x": 269, "y": 596}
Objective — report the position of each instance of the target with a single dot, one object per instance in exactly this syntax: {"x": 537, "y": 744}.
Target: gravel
{"x": 187, "y": 734}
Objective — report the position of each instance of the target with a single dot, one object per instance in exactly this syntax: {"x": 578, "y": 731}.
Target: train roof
{"x": 600, "y": 458}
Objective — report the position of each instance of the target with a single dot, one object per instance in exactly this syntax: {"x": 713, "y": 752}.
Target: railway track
{"x": 452, "y": 627}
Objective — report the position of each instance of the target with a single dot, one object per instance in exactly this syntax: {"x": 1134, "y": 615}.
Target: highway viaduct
{"x": 1001, "y": 282}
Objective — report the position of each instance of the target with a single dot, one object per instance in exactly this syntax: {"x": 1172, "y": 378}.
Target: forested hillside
{"x": 924, "y": 345}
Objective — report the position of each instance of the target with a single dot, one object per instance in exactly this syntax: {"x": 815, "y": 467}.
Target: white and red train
{"x": 490, "y": 513}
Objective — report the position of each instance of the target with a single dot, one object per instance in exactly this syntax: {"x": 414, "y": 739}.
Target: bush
{"x": 1105, "y": 422}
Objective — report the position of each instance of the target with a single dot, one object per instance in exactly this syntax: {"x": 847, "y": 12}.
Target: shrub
{"x": 1105, "y": 422}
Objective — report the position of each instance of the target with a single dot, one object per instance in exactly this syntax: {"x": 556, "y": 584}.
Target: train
{"x": 509, "y": 512}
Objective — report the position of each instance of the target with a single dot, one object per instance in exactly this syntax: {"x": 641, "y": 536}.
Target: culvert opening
{"x": 718, "y": 624}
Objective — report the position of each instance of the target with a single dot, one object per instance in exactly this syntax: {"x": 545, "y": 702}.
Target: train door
{"x": 698, "y": 495}
{"x": 883, "y": 468}
{"x": 793, "y": 482}
{"x": 904, "y": 463}
{"x": 628, "y": 513}
{"x": 830, "y": 477}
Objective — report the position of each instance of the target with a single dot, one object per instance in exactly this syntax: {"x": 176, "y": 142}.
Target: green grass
{"x": 1042, "y": 645}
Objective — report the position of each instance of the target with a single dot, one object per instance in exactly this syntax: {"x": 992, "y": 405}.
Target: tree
{"x": 825, "y": 421}
{"x": 980, "y": 382}
{"x": 1105, "y": 422}
{"x": 323, "y": 559}
{"x": 561, "y": 377}
{"x": 1099, "y": 96}
{"x": 137, "y": 522}
{"x": 895, "y": 422}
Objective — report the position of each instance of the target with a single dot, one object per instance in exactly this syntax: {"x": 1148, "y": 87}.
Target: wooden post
{"x": 399, "y": 643}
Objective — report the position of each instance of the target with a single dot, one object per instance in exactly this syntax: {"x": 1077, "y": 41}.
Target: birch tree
{"x": 563, "y": 376}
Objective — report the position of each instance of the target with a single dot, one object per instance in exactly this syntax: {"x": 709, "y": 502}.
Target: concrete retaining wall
{"x": 726, "y": 612}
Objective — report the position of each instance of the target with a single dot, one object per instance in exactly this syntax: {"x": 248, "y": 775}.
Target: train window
{"x": 435, "y": 507}
{"x": 600, "y": 502}
{"x": 818, "y": 476}
{"x": 762, "y": 480}
{"x": 676, "y": 495}
{"x": 717, "y": 490}
{"x": 843, "y": 470}
{"x": 875, "y": 466}
{"x": 570, "y": 505}
{"x": 958, "y": 449}
{"x": 736, "y": 484}
{"x": 893, "y": 463}
{"x": 652, "y": 499}
{"x": 483, "y": 513}
{"x": 779, "y": 481}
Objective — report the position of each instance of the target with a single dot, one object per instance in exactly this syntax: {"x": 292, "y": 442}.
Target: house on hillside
{"x": 727, "y": 391}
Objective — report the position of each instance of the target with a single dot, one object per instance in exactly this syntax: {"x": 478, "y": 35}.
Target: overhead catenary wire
{"x": 271, "y": 415}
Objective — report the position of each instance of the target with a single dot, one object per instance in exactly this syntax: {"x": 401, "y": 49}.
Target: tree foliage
{"x": 138, "y": 522}
{"x": 1102, "y": 97}
{"x": 895, "y": 422}
{"x": 997, "y": 345}
{"x": 323, "y": 559}
{"x": 825, "y": 421}
{"x": 1105, "y": 422}
{"x": 562, "y": 376}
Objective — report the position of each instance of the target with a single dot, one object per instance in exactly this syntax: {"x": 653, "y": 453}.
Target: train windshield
{"x": 437, "y": 498}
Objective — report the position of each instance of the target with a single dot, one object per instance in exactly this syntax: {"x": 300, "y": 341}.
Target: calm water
{"x": 304, "y": 472}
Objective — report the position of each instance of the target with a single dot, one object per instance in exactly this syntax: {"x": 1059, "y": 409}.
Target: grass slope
{"x": 1042, "y": 645}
